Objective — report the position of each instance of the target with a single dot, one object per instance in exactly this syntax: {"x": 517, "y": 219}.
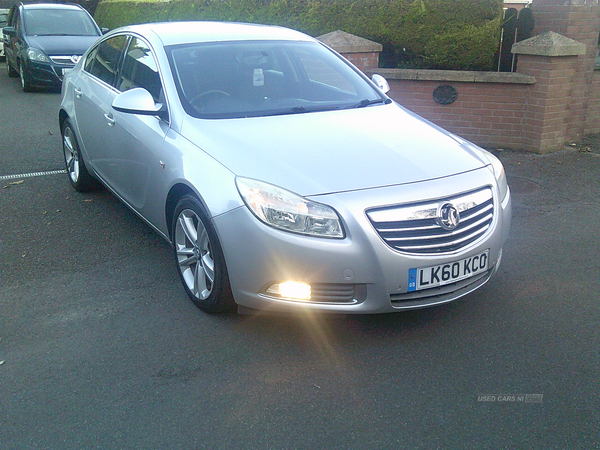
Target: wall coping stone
{"x": 454, "y": 76}
{"x": 343, "y": 42}
{"x": 549, "y": 44}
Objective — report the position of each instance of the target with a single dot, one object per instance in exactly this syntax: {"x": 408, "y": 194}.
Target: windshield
{"x": 261, "y": 78}
{"x": 59, "y": 22}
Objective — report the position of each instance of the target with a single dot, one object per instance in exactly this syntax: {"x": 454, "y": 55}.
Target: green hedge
{"x": 433, "y": 34}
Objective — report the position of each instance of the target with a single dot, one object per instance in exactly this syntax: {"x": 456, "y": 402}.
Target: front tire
{"x": 12, "y": 73}
{"x": 199, "y": 258}
{"x": 25, "y": 81}
{"x": 79, "y": 176}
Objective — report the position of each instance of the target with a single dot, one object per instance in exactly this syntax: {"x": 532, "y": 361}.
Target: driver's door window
{"x": 140, "y": 70}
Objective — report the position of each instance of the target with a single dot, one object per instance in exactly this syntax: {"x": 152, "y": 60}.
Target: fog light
{"x": 291, "y": 289}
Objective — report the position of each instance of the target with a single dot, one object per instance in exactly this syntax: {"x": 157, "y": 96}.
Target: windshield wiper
{"x": 304, "y": 109}
{"x": 366, "y": 102}
{"x": 297, "y": 110}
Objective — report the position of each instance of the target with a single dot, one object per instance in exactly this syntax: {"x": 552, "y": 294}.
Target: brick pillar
{"x": 578, "y": 20}
{"x": 361, "y": 52}
{"x": 551, "y": 113}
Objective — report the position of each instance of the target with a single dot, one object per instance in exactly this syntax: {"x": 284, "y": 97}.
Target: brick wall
{"x": 592, "y": 125}
{"x": 490, "y": 114}
{"x": 553, "y": 113}
{"x": 578, "y": 20}
{"x": 363, "y": 60}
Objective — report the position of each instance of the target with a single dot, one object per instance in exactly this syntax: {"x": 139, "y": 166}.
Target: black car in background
{"x": 43, "y": 41}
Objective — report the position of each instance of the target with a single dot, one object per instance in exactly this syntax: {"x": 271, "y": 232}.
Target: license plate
{"x": 429, "y": 277}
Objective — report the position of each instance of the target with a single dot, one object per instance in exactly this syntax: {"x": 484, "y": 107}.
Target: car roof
{"x": 173, "y": 33}
{"x": 50, "y": 6}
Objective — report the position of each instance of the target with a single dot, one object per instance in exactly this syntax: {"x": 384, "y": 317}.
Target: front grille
{"x": 415, "y": 228}
{"x": 66, "y": 60}
{"x": 336, "y": 293}
{"x": 65, "y": 64}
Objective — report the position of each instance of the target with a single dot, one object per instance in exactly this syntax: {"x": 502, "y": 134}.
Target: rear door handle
{"x": 78, "y": 92}
{"x": 109, "y": 119}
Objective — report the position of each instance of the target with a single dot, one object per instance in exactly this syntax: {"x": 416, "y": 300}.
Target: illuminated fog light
{"x": 291, "y": 289}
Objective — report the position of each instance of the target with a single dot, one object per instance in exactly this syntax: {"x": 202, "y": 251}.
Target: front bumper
{"x": 46, "y": 74}
{"x": 360, "y": 273}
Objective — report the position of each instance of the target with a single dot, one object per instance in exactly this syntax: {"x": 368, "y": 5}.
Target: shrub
{"x": 437, "y": 34}
{"x": 466, "y": 48}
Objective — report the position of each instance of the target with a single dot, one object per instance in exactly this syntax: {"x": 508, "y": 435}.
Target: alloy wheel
{"x": 71, "y": 154}
{"x": 25, "y": 82}
{"x": 194, "y": 254}
{"x": 22, "y": 76}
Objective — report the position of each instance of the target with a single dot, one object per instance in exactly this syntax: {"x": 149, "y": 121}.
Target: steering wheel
{"x": 205, "y": 96}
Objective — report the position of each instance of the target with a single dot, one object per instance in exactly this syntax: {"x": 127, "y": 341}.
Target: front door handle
{"x": 109, "y": 119}
{"x": 78, "y": 92}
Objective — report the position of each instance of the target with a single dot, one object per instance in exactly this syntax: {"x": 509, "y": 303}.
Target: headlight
{"x": 287, "y": 211}
{"x": 35, "y": 54}
{"x": 498, "y": 169}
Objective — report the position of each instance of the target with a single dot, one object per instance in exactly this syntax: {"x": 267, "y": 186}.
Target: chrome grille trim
{"x": 438, "y": 247}
{"x": 451, "y": 233}
{"x": 66, "y": 60}
{"x": 413, "y": 228}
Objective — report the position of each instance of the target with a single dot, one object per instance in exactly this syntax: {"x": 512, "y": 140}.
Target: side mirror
{"x": 381, "y": 83}
{"x": 9, "y": 31}
{"x": 138, "y": 101}
{"x": 104, "y": 30}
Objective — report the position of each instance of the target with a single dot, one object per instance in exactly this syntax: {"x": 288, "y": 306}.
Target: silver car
{"x": 282, "y": 176}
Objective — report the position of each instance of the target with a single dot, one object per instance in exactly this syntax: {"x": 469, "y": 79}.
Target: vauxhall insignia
{"x": 75, "y": 58}
{"x": 448, "y": 216}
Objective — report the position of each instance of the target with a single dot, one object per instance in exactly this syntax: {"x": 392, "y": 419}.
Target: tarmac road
{"x": 101, "y": 349}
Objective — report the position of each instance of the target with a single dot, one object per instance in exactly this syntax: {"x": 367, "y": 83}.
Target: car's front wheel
{"x": 26, "y": 84}
{"x": 199, "y": 258}
{"x": 10, "y": 71}
{"x": 79, "y": 176}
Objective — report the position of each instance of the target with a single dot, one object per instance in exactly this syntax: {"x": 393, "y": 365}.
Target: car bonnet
{"x": 336, "y": 151}
{"x": 62, "y": 45}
